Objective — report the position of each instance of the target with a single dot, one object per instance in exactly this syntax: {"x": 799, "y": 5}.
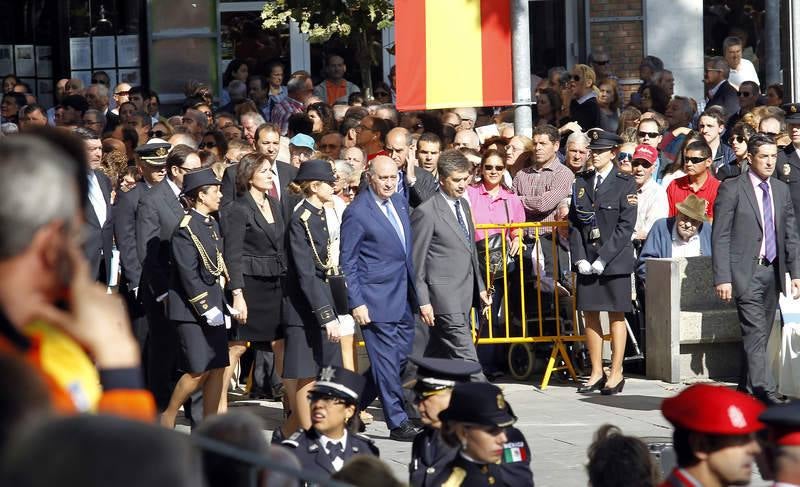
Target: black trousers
{"x": 756, "y": 308}
{"x": 161, "y": 354}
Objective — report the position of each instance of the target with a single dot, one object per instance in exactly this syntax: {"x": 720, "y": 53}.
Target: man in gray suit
{"x": 754, "y": 244}
{"x": 446, "y": 262}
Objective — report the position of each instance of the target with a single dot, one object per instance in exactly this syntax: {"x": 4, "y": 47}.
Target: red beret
{"x": 714, "y": 410}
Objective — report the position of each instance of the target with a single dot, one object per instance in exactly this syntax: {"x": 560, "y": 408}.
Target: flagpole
{"x": 521, "y": 64}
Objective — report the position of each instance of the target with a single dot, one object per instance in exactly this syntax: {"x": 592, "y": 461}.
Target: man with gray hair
{"x": 448, "y": 278}
{"x": 250, "y": 123}
{"x": 577, "y": 151}
{"x": 718, "y": 90}
{"x": 298, "y": 89}
{"x": 468, "y": 117}
{"x": 468, "y": 139}
{"x": 194, "y": 123}
{"x": 741, "y": 69}
{"x": 94, "y": 120}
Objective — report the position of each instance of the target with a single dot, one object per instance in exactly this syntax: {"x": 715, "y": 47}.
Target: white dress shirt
{"x": 174, "y": 187}
{"x": 744, "y": 72}
{"x": 652, "y": 204}
{"x": 324, "y": 440}
{"x": 451, "y": 203}
{"x": 681, "y": 248}
{"x": 391, "y": 208}
{"x": 97, "y": 199}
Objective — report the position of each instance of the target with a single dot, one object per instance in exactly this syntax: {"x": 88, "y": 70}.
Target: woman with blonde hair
{"x": 584, "y": 108}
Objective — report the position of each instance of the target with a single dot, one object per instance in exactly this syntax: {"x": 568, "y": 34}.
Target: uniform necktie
{"x": 461, "y": 219}
{"x": 598, "y": 180}
{"x": 96, "y": 199}
{"x": 390, "y": 215}
{"x": 334, "y": 450}
{"x": 770, "y": 250}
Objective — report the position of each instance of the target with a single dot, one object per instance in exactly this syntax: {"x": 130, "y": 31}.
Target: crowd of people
{"x": 258, "y": 238}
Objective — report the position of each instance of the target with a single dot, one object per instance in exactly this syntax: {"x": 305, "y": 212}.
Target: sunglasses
{"x": 156, "y": 133}
{"x": 575, "y": 77}
{"x": 771, "y": 134}
{"x": 494, "y": 168}
{"x": 739, "y": 139}
{"x": 210, "y": 145}
{"x": 624, "y": 156}
{"x": 644, "y": 164}
{"x": 602, "y": 63}
{"x": 327, "y": 398}
{"x": 694, "y": 160}
{"x": 651, "y": 135}
{"x": 744, "y": 94}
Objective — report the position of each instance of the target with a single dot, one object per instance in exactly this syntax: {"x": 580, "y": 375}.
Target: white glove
{"x": 214, "y": 317}
{"x": 598, "y": 266}
{"x": 584, "y": 267}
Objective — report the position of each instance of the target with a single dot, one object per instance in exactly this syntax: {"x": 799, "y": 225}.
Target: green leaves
{"x": 322, "y": 19}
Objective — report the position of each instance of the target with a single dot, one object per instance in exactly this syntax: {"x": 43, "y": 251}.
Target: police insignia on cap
{"x": 581, "y": 192}
{"x": 501, "y": 402}
{"x": 595, "y": 135}
{"x": 793, "y": 109}
{"x": 787, "y": 169}
{"x": 632, "y": 199}
{"x": 327, "y": 374}
{"x": 161, "y": 152}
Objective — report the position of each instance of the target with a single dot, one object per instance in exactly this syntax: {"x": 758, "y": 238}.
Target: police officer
{"x": 603, "y": 214}
{"x": 476, "y": 423}
{"x": 195, "y": 304}
{"x": 714, "y": 437}
{"x": 430, "y": 455}
{"x": 310, "y": 317}
{"x": 783, "y": 445}
{"x": 788, "y": 168}
{"x": 325, "y": 447}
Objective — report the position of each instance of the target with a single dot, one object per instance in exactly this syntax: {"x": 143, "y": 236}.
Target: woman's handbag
{"x": 494, "y": 246}
{"x": 338, "y": 286}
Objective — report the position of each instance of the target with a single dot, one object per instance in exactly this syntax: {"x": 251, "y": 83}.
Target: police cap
{"x": 340, "y": 382}
{"x": 713, "y": 410}
{"x": 784, "y": 423}
{"x": 199, "y": 178}
{"x": 436, "y": 374}
{"x": 602, "y": 139}
{"x": 478, "y": 403}
{"x": 155, "y": 151}
{"x": 315, "y": 170}
{"x": 792, "y": 112}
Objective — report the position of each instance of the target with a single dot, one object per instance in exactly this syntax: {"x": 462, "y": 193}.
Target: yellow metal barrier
{"x": 558, "y": 339}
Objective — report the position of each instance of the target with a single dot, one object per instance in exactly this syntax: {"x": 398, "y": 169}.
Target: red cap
{"x": 646, "y": 152}
{"x": 714, "y": 410}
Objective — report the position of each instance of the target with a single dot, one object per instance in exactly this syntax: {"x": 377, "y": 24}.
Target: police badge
{"x": 632, "y": 199}
{"x": 581, "y": 192}
{"x": 787, "y": 169}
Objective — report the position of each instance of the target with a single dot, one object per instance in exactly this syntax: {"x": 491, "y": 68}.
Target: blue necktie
{"x": 461, "y": 220}
{"x": 396, "y": 224}
{"x": 770, "y": 249}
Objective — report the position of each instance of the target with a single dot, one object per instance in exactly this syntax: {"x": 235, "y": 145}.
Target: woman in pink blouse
{"x": 492, "y": 201}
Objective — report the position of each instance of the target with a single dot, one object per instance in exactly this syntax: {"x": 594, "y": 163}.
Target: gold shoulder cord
{"x": 330, "y": 269}
{"x": 216, "y": 269}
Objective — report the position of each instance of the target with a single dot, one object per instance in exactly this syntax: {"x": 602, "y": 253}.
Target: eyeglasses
{"x": 644, "y": 164}
{"x": 642, "y": 134}
{"x": 771, "y": 134}
{"x": 210, "y": 144}
{"x": 494, "y": 168}
{"x": 744, "y": 94}
{"x": 739, "y": 139}
{"x": 624, "y": 156}
{"x": 694, "y": 160}
{"x": 352, "y": 189}
{"x": 601, "y": 63}
{"x": 325, "y": 398}
{"x": 156, "y": 133}
{"x": 575, "y": 77}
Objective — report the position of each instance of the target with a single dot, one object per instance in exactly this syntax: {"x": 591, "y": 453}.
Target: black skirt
{"x": 203, "y": 347}
{"x": 604, "y": 293}
{"x": 263, "y": 296}
{"x": 307, "y": 350}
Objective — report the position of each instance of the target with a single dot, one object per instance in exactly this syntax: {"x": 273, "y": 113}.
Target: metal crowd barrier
{"x": 535, "y": 334}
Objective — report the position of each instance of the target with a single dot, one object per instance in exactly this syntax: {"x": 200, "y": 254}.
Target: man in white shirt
{"x": 652, "y": 203}
{"x": 741, "y": 69}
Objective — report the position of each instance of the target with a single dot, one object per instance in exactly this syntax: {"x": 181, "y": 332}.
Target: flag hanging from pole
{"x": 453, "y": 53}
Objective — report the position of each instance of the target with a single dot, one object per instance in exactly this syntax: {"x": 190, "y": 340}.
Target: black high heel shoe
{"x": 610, "y": 391}
{"x": 597, "y": 386}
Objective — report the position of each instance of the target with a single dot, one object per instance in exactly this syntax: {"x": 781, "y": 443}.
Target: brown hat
{"x": 693, "y": 207}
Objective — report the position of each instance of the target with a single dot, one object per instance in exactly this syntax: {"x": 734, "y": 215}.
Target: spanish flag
{"x": 453, "y": 53}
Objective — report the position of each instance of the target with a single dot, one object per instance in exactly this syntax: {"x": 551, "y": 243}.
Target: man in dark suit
{"x": 99, "y": 228}
{"x": 448, "y": 278}
{"x": 152, "y": 159}
{"x": 718, "y": 91}
{"x": 414, "y": 183}
{"x": 158, "y": 215}
{"x": 754, "y": 244}
{"x": 376, "y": 260}
{"x": 788, "y": 169}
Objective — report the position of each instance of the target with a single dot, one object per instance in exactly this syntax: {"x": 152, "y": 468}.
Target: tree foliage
{"x": 323, "y": 19}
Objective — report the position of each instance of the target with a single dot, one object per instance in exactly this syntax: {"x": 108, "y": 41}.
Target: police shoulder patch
{"x": 633, "y": 200}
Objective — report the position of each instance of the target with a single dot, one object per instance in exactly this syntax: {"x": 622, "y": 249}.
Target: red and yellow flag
{"x": 453, "y": 53}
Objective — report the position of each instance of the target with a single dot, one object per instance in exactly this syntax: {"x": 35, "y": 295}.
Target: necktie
{"x": 461, "y": 220}
{"x": 334, "y": 450}
{"x": 401, "y": 183}
{"x": 770, "y": 250}
{"x": 598, "y": 180}
{"x": 396, "y": 224}
{"x": 97, "y": 199}
{"x": 273, "y": 190}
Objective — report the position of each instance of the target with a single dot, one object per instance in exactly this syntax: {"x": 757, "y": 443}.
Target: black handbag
{"x": 494, "y": 245}
{"x": 338, "y": 285}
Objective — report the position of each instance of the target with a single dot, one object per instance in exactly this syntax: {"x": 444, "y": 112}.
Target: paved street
{"x": 557, "y": 422}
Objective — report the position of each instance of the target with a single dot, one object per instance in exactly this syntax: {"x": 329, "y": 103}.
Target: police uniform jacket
{"x": 612, "y": 210}
{"x": 308, "y": 299}
{"x": 788, "y": 171}
{"x": 158, "y": 215}
{"x": 194, "y": 279}
{"x": 432, "y": 460}
{"x": 126, "y": 205}
{"x": 307, "y": 447}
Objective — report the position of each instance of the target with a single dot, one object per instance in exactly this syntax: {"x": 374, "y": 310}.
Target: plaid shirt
{"x": 541, "y": 189}
{"x": 284, "y": 109}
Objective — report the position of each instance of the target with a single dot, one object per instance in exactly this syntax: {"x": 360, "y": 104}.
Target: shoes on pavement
{"x": 610, "y": 391}
{"x": 405, "y": 432}
{"x": 597, "y": 386}
{"x": 774, "y": 399}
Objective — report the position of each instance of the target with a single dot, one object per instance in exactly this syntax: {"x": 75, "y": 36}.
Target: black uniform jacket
{"x": 788, "y": 171}
{"x": 309, "y": 450}
{"x": 612, "y": 210}
{"x": 432, "y": 460}
{"x": 194, "y": 290}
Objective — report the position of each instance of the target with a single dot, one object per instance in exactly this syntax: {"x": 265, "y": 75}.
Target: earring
{"x": 464, "y": 445}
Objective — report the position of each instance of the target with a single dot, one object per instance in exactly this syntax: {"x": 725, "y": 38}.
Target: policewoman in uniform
{"x": 311, "y": 324}
{"x": 603, "y": 214}
{"x": 331, "y": 440}
{"x": 714, "y": 437}
{"x": 430, "y": 455}
{"x": 788, "y": 166}
{"x": 195, "y": 304}
{"x": 476, "y": 422}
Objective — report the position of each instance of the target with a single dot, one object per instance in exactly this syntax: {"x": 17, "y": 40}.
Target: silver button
{"x": 430, "y": 470}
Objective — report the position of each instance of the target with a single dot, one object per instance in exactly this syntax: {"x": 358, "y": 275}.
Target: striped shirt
{"x": 541, "y": 189}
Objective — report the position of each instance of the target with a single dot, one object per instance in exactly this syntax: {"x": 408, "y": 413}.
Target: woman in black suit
{"x": 254, "y": 250}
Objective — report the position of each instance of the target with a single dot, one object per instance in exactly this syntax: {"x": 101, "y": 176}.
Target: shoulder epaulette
{"x": 456, "y": 478}
{"x": 185, "y": 221}
{"x": 305, "y": 215}
{"x": 623, "y": 175}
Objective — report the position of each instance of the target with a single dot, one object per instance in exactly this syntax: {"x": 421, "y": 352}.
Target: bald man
{"x": 414, "y": 183}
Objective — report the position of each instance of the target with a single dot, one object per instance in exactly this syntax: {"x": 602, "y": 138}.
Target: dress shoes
{"x": 610, "y": 391}
{"x": 597, "y": 386}
{"x": 774, "y": 399}
{"x": 405, "y": 432}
